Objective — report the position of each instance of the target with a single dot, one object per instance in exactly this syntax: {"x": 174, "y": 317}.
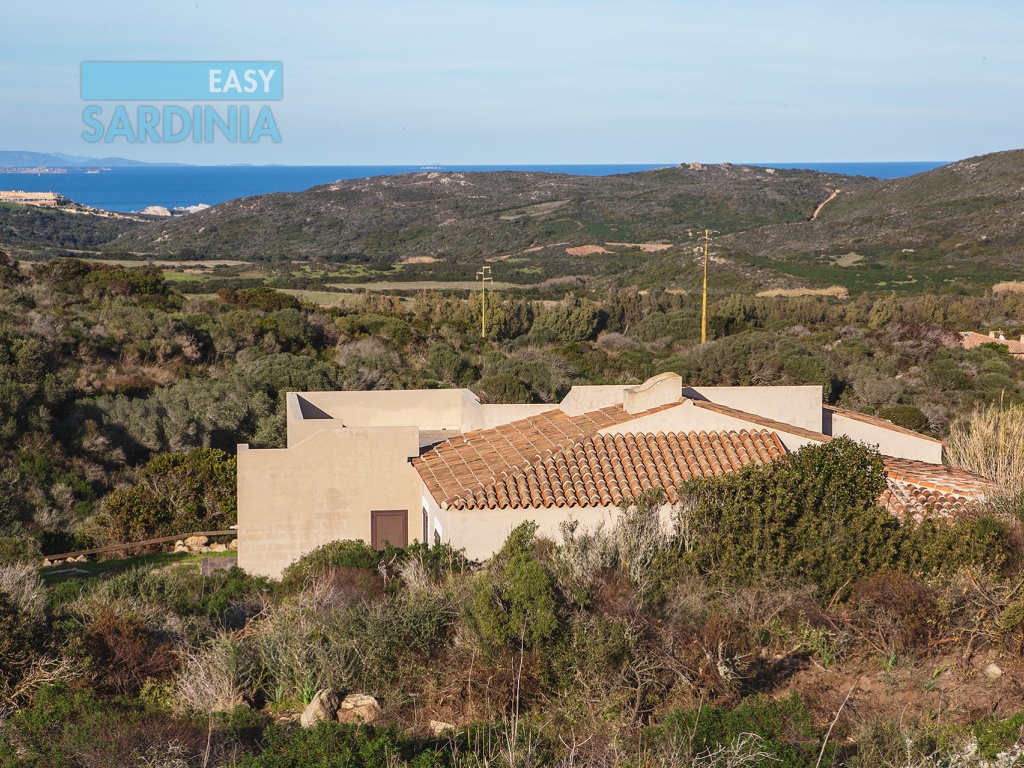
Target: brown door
{"x": 389, "y": 526}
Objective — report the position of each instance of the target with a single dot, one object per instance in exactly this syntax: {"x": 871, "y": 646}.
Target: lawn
{"x": 74, "y": 571}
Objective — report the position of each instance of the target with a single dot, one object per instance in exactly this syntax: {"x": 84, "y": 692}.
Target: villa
{"x": 439, "y": 466}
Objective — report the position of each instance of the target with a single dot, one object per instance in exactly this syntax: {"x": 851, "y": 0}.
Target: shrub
{"x": 18, "y": 636}
{"x": 261, "y": 298}
{"x": 215, "y": 677}
{"x": 515, "y": 603}
{"x": 907, "y": 416}
{"x": 176, "y": 493}
{"x": 896, "y": 611}
{"x": 448, "y": 365}
{"x": 811, "y": 516}
{"x": 123, "y": 652}
{"x": 348, "y": 553}
{"x": 783, "y": 731}
{"x": 333, "y": 744}
{"x": 62, "y": 727}
{"x": 503, "y": 388}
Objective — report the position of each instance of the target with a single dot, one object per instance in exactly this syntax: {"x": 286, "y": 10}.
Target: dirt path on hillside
{"x": 827, "y": 200}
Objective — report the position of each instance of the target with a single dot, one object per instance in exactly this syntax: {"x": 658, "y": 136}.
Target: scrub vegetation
{"x": 781, "y": 617}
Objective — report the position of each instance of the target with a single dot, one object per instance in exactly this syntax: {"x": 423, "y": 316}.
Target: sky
{"x": 393, "y": 82}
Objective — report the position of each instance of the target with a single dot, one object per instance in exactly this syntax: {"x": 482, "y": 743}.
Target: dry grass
{"x": 837, "y": 291}
{"x": 22, "y": 585}
{"x": 586, "y": 250}
{"x": 645, "y": 247}
{"x": 1010, "y": 286}
{"x": 991, "y": 443}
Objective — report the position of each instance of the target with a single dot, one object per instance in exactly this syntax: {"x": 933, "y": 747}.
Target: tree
{"x": 176, "y": 493}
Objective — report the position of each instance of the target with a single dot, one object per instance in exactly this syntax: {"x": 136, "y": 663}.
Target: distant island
{"x": 19, "y": 161}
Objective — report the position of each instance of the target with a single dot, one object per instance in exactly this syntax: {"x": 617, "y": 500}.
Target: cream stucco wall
{"x": 425, "y": 408}
{"x": 889, "y": 442}
{"x": 292, "y": 500}
{"x": 688, "y": 417}
{"x": 482, "y": 532}
{"x": 496, "y": 415}
{"x": 584, "y": 399}
{"x": 799, "y": 406}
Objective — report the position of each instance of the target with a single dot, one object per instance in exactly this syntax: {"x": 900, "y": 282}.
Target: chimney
{"x": 658, "y": 390}
{"x": 991, "y": 334}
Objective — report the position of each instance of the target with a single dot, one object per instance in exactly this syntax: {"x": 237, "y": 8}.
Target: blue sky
{"x": 503, "y": 82}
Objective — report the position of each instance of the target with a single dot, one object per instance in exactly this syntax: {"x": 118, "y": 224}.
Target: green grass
{"x": 873, "y": 276}
{"x": 184, "y": 277}
{"x": 93, "y": 568}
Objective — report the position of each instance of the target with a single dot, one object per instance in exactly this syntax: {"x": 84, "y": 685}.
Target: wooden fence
{"x": 138, "y": 544}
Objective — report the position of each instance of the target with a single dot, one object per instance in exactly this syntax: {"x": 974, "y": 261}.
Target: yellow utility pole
{"x": 704, "y": 299}
{"x": 484, "y": 276}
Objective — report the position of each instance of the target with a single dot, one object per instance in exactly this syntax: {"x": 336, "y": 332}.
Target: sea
{"x": 135, "y": 188}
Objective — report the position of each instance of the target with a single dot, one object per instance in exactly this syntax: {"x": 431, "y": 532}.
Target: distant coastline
{"x": 126, "y": 189}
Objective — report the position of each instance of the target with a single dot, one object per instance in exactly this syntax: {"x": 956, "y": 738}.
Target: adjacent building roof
{"x": 762, "y": 421}
{"x": 970, "y": 340}
{"x": 920, "y": 490}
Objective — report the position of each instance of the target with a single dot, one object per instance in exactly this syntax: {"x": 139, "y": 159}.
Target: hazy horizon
{"x": 454, "y": 82}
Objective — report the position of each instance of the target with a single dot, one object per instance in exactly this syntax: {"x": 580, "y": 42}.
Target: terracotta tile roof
{"x": 605, "y": 470}
{"x": 920, "y": 490}
{"x": 474, "y": 460}
{"x": 761, "y": 421}
{"x": 556, "y": 460}
{"x": 970, "y": 340}
{"x": 877, "y": 421}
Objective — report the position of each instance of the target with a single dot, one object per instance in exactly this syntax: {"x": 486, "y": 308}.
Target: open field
{"x": 425, "y": 285}
{"x": 74, "y": 571}
{"x": 789, "y": 293}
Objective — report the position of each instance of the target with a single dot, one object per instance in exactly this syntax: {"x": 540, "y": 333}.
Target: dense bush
{"x": 176, "y": 493}
{"x": 908, "y": 416}
{"x": 813, "y": 516}
{"x": 515, "y": 604}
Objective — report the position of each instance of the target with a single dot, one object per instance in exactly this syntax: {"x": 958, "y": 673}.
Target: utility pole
{"x": 704, "y": 298}
{"x": 484, "y": 276}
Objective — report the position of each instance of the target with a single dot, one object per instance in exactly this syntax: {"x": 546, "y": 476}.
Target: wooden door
{"x": 389, "y": 526}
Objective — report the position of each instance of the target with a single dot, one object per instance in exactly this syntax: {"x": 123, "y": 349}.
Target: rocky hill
{"x": 539, "y": 224}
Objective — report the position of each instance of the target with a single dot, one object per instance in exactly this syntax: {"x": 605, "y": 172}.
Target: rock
{"x": 194, "y": 542}
{"x": 358, "y": 707}
{"x": 46, "y": 563}
{"x": 992, "y": 672}
{"x": 218, "y": 547}
{"x": 322, "y": 707}
{"x": 437, "y": 727}
{"x": 233, "y": 544}
{"x": 181, "y": 549}
{"x": 179, "y": 543}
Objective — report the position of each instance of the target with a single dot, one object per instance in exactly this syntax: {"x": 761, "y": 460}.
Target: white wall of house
{"x": 889, "y": 442}
{"x": 688, "y": 417}
{"x": 482, "y": 532}
{"x": 799, "y": 406}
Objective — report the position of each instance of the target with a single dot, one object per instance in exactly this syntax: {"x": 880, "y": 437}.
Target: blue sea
{"x": 132, "y": 189}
